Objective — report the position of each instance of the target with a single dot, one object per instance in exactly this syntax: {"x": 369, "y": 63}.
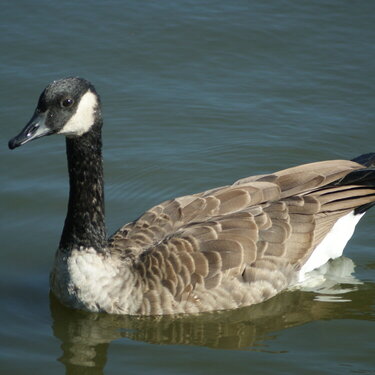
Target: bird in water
{"x": 223, "y": 248}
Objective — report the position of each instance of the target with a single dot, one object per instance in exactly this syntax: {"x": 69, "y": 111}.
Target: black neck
{"x": 84, "y": 223}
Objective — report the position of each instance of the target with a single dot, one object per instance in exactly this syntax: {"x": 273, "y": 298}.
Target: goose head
{"x": 69, "y": 106}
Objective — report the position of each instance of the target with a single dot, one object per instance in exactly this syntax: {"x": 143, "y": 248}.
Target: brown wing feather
{"x": 259, "y": 229}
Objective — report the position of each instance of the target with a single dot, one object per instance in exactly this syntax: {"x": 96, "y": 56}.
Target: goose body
{"x": 224, "y": 248}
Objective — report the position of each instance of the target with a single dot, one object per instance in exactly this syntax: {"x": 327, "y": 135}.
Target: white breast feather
{"x": 94, "y": 282}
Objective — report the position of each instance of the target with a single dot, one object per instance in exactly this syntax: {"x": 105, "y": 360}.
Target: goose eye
{"x": 67, "y": 102}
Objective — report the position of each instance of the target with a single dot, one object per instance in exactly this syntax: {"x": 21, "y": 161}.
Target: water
{"x": 195, "y": 95}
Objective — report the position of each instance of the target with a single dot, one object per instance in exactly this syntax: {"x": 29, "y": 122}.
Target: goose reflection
{"x": 86, "y": 337}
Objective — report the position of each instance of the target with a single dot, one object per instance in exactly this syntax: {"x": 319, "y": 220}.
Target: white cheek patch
{"x": 84, "y": 117}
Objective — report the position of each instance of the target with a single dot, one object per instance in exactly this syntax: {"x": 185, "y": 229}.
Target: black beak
{"x": 35, "y": 128}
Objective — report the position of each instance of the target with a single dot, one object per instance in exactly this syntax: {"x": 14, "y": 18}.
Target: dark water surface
{"x": 196, "y": 94}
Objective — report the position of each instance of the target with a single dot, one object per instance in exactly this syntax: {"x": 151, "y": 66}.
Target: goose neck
{"x": 84, "y": 224}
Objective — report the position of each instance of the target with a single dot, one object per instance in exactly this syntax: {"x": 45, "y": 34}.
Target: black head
{"x": 69, "y": 106}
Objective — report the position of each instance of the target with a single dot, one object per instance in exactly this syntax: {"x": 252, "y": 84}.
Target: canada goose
{"x": 224, "y": 248}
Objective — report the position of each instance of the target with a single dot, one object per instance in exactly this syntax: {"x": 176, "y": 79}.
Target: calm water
{"x": 196, "y": 94}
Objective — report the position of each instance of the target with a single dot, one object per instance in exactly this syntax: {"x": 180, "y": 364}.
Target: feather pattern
{"x": 239, "y": 244}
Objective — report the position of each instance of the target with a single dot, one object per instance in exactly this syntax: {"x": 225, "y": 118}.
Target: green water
{"x": 196, "y": 94}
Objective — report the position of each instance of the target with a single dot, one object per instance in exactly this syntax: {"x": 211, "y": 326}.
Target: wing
{"x": 165, "y": 219}
{"x": 259, "y": 230}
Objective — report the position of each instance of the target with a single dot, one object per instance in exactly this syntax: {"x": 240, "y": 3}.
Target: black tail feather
{"x": 364, "y": 177}
{"x": 368, "y": 160}
{"x": 362, "y": 209}
{"x": 361, "y": 177}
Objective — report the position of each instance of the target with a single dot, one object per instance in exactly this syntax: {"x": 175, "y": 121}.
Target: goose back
{"x": 238, "y": 244}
